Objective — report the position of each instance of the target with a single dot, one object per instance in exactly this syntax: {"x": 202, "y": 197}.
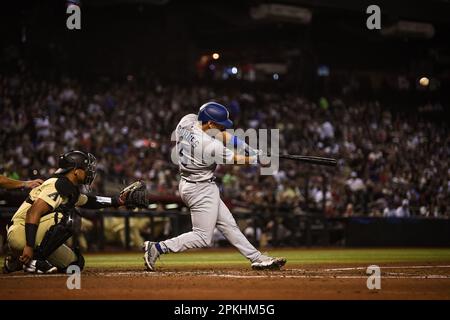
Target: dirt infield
{"x": 406, "y": 281}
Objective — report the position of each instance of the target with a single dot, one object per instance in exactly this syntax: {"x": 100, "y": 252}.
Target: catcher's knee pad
{"x": 55, "y": 236}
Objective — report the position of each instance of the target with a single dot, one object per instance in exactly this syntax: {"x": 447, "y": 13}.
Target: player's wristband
{"x": 115, "y": 203}
{"x": 98, "y": 202}
{"x": 237, "y": 143}
{"x": 242, "y": 145}
{"x": 30, "y": 234}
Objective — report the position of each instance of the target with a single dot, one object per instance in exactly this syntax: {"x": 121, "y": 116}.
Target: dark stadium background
{"x": 147, "y": 52}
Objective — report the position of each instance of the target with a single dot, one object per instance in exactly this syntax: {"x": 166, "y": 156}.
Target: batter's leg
{"x": 203, "y": 200}
{"x": 228, "y": 226}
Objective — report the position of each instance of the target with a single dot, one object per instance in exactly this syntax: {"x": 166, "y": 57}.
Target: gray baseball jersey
{"x": 198, "y": 153}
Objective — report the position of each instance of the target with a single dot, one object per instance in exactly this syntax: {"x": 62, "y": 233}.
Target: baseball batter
{"x": 199, "y": 151}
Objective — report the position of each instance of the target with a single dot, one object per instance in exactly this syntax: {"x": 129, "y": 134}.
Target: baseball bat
{"x": 330, "y": 162}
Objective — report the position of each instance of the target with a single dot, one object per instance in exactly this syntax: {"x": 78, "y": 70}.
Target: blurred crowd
{"x": 391, "y": 162}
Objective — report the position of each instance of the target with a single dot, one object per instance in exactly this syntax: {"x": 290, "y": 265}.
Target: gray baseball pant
{"x": 208, "y": 211}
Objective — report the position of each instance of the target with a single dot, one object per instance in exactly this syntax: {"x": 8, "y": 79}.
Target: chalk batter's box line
{"x": 386, "y": 267}
{"x": 280, "y": 274}
{"x": 329, "y": 277}
{"x": 432, "y": 276}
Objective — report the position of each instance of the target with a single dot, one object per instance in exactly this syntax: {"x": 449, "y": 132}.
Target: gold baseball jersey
{"x": 47, "y": 192}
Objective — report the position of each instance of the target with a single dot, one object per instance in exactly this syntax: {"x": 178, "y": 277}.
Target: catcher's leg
{"x": 11, "y": 261}
{"x": 50, "y": 238}
{"x": 52, "y": 247}
{"x": 11, "y": 264}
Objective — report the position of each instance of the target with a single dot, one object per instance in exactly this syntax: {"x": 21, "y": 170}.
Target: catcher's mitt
{"x": 134, "y": 195}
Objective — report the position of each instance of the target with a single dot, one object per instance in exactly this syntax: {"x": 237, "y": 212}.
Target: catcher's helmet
{"x": 78, "y": 160}
{"x": 215, "y": 112}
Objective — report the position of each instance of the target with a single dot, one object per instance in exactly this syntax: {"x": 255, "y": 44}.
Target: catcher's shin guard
{"x": 79, "y": 262}
{"x": 56, "y": 236}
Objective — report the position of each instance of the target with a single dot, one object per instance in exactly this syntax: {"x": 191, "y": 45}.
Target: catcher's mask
{"x": 78, "y": 160}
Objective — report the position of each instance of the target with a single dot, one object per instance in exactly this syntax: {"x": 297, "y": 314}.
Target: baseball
{"x": 424, "y": 81}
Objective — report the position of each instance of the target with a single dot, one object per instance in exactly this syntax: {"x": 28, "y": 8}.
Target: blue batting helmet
{"x": 215, "y": 112}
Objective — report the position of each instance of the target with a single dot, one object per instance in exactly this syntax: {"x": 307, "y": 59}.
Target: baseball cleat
{"x": 268, "y": 263}
{"x": 11, "y": 264}
{"x": 40, "y": 267}
{"x": 151, "y": 255}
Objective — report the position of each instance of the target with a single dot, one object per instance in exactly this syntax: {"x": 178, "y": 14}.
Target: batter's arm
{"x": 244, "y": 160}
{"x": 231, "y": 157}
{"x": 225, "y": 137}
{"x": 234, "y": 142}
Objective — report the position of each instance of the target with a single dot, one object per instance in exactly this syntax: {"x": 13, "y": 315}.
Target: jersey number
{"x": 53, "y": 196}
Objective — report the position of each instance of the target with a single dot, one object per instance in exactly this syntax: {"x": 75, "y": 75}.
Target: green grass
{"x": 295, "y": 256}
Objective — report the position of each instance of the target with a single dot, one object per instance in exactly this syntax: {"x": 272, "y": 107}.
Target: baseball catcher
{"x": 49, "y": 216}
